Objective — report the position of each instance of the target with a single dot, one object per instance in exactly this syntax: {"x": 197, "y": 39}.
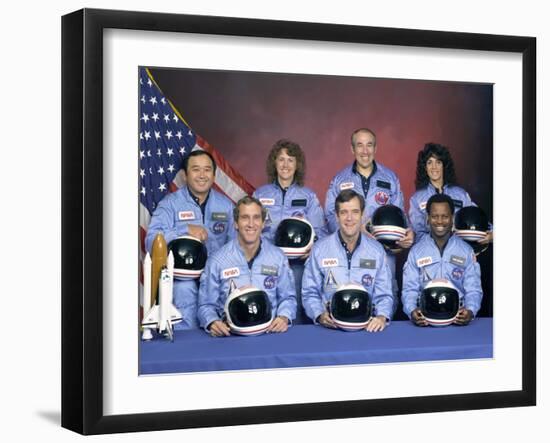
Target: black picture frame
{"x": 82, "y": 218}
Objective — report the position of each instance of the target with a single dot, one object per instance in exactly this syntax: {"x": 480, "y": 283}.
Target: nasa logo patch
{"x": 269, "y": 282}
{"x": 186, "y": 215}
{"x": 457, "y": 273}
{"x": 366, "y": 280}
{"x": 346, "y": 185}
{"x": 218, "y": 228}
{"x": 381, "y": 197}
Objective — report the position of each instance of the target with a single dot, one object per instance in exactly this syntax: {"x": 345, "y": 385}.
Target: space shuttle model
{"x": 158, "y": 273}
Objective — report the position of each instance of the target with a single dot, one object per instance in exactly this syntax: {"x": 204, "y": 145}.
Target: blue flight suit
{"x": 171, "y": 218}
{"x": 330, "y": 266}
{"x": 457, "y": 264}
{"x": 417, "y": 206}
{"x": 295, "y": 201}
{"x": 269, "y": 272}
{"x": 381, "y": 188}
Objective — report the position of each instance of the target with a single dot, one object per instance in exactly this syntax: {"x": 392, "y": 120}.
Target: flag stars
{"x": 155, "y": 116}
{"x": 179, "y": 135}
{"x": 153, "y": 100}
{"x": 141, "y": 135}
{"x": 175, "y": 118}
{"x": 141, "y": 154}
{"x": 145, "y": 118}
{"x": 157, "y": 135}
{"x": 170, "y": 152}
{"x": 149, "y": 82}
{"x": 163, "y": 101}
{"x": 159, "y": 153}
{"x": 148, "y": 153}
{"x": 142, "y": 99}
{"x": 161, "y": 170}
{"x": 166, "y": 118}
{"x": 168, "y": 135}
{"x": 182, "y": 150}
{"x": 162, "y": 187}
{"x": 142, "y": 173}
{"x": 171, "y": 168}
{"x": 190, "y": 133}
{"x": 147, "y": 135}
{"x": 142, "y": 190}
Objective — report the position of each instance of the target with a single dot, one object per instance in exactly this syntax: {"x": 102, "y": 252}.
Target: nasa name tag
{"x": 367, "y": 263}
{"x": 299, "y": 202}
{"x": 383, "y": 184}
{"x": 329, "y": 262}
{"x": 346, "y": 185}
{"x": 424, "y": 261}
{"x": 456, "y": 260}
{"x": 186, "y": 215}
{"x": 270, "y": 270}
{"x": 231, "y": 272}
{"x": 458, "y": 203}
{"x": 219, "y": 216}
{"x": 267, "y": 201}
{"x": 422, "y": 205}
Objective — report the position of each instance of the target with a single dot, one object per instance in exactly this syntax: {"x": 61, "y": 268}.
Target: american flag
{"x": 165, "y": 139}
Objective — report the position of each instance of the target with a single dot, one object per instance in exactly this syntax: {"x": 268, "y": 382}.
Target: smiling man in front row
{"x": 442, "y": 255}
{"x": 244, "y": 261}
{"x": 347, "y": 256}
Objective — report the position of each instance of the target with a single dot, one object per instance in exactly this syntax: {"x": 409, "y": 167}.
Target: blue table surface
{"x": 311, "y": 345}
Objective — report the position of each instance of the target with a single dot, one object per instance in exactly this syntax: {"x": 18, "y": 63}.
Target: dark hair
{"x": 440, "y": 198}
{"x": 196, "y": 153}
{"x": 357, "y": 131}
{"x": 441, "y": 153}
{"x": 248, "y": 200}
{"x": 345, "y": 196}
{"x": 293, "y": 150}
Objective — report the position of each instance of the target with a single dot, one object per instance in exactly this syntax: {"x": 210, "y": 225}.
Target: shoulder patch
{"x": 422, "y": 205}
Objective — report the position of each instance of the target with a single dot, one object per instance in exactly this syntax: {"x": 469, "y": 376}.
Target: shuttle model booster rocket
{"x": 163, "y": 315}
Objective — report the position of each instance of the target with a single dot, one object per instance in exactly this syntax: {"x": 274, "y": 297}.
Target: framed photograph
{"x": 233, "y": 87}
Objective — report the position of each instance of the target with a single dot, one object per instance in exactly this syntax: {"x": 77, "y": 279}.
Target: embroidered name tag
{"x": 383, "y": 184}
{"x": 346, "y": 185}
{"x": 367, "y": 263}
{"x": 270, "y": 270}
{"x": 422, "y": 205}
{"x": 458, "y": 203}
{"x": 456, "y": 260}
{"x": 231, "y": 272}
{"x": 219, "y": 216}
{"x": 267, "y": 201}
{"x": 186, "y": 215}
{"x": 329, "y": 262}
{"x": 299, "y": 202}
{"x": 424, "y": 261}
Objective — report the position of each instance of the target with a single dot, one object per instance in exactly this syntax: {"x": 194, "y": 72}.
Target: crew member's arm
{"x": 286, "y": 298}
{"x": 208, "y": 301}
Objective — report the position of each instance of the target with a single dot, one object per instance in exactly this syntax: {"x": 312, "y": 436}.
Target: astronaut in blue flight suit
{"x": 442, "y": 255}
{"x": 376, "y": 183}
{"x": 347, "y": 256}
{"x": 435, "y": 174}
{"x": 286, "y": 196}
{"x": 246, "y": 261}
{"x": 197, "y": 210}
